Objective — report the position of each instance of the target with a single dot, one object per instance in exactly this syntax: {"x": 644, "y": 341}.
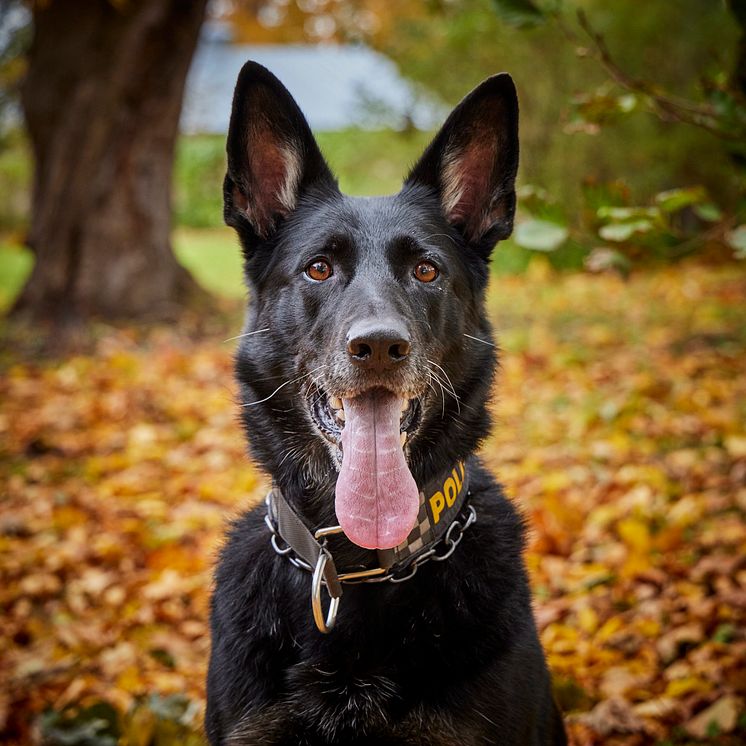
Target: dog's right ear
{"x": 272, "y": 154}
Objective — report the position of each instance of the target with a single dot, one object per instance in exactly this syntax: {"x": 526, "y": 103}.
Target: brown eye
{"x": 319, "y": 270}
{"x": 425, "y": 272}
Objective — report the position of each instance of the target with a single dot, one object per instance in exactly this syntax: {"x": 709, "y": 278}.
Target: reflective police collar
{"x": 443, "y": 516}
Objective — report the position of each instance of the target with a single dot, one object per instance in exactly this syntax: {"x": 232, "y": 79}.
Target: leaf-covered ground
{"x": 619, "y": 431}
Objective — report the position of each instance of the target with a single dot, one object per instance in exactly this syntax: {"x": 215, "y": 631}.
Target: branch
{"x": 669, "y": 108}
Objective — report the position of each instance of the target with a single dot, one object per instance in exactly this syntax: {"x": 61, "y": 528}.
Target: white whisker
{"x": 445, "y": 387}
{"x": 477, "y": 339}
{"x": 450, "y": 383}
{"x": 246, "y": 334}
{"x": 445, "y": 235}
{"x": 282, "y": 385}
{"x": 442, "y": 393}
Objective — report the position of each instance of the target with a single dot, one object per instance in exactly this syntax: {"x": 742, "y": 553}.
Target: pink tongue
{"x": 377, "y": 497}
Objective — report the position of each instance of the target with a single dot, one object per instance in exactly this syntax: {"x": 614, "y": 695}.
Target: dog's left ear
{"x": 472, "y": 162}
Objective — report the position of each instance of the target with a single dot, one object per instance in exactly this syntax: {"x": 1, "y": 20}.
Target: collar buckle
{"x": 447, "y": 506}
{"x": 322, "y": 533}
{"x": 324, "y": 625}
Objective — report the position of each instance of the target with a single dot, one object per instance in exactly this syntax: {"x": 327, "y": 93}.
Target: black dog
{"x": 364, "y": 371}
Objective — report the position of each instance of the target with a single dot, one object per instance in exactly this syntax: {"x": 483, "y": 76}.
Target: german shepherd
{"x": 364, "y": 370}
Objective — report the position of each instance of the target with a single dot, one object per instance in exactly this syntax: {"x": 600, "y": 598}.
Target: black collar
{"x": 443, "y": 516}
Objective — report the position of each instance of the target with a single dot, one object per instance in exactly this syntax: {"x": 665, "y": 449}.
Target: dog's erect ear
{"x": 472, "y": 162}
{"x": 272, "y": 155}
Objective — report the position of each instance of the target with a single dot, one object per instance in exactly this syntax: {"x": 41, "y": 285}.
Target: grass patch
{"x": 199, "y": 169}
{"x": 16, "y": 262}
{"x": 213, "y": 257}
{"x": 372, "y": 163}
{"x": 15, "y": 181}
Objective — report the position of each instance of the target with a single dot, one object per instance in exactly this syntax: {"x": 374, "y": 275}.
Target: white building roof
{"x": 336, "y": 86}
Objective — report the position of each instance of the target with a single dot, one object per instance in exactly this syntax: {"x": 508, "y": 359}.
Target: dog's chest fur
{"x": 429, "y": 661}
{"x": 334, "y": 707}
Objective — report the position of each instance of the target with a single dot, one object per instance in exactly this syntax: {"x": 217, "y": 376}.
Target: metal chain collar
{"x": 450, "y": 541}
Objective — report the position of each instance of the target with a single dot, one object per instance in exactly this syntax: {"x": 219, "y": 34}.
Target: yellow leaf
{"x": 609, "y": 628}
{"x": 587, "y": 619}
{"x": 736, "y": 445}
{"x": 635, "y": 534}
{"x": 687, "y": 685}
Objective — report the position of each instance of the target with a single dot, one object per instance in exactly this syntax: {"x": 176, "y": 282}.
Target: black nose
{"x": 378, "y": 345}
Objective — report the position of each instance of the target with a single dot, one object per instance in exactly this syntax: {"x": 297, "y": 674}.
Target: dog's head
{"x": 366, "y": 359}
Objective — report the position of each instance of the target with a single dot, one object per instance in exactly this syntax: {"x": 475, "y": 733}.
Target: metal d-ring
{"x": 324, "y": 625}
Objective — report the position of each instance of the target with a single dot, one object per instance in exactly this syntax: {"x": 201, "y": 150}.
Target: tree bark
{"x": 738, "y": 9}
{"x": 102, "y": 100}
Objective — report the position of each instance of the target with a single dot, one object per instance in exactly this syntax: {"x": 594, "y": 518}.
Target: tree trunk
{"x": 738, "y": 77}
{"x": 102, "y": 100}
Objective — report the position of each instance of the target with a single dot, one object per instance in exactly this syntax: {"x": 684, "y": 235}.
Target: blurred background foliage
{"x": 633, "y": 122}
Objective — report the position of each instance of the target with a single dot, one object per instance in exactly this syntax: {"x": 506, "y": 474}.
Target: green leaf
{"x": 624, "y": 231}
{"x": 510, "y": 259}
{"x": 724, "y": 633}
{"x": 96, "y": 725}
{"x": 519, "y": 13}
{"x": 713, "y": 729}
{"x": 163, "y": 656}
{"x": 676, "y": 199}
{"x": 709, "y": 212}
{"x": 736, "y": 239}
{"x": 172, "y": 707}
{"x": 627, "y": 103}
{"x": 540, "y": 235}
{"x": 626, "y": 213}
{"x": 570, "y": 694}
